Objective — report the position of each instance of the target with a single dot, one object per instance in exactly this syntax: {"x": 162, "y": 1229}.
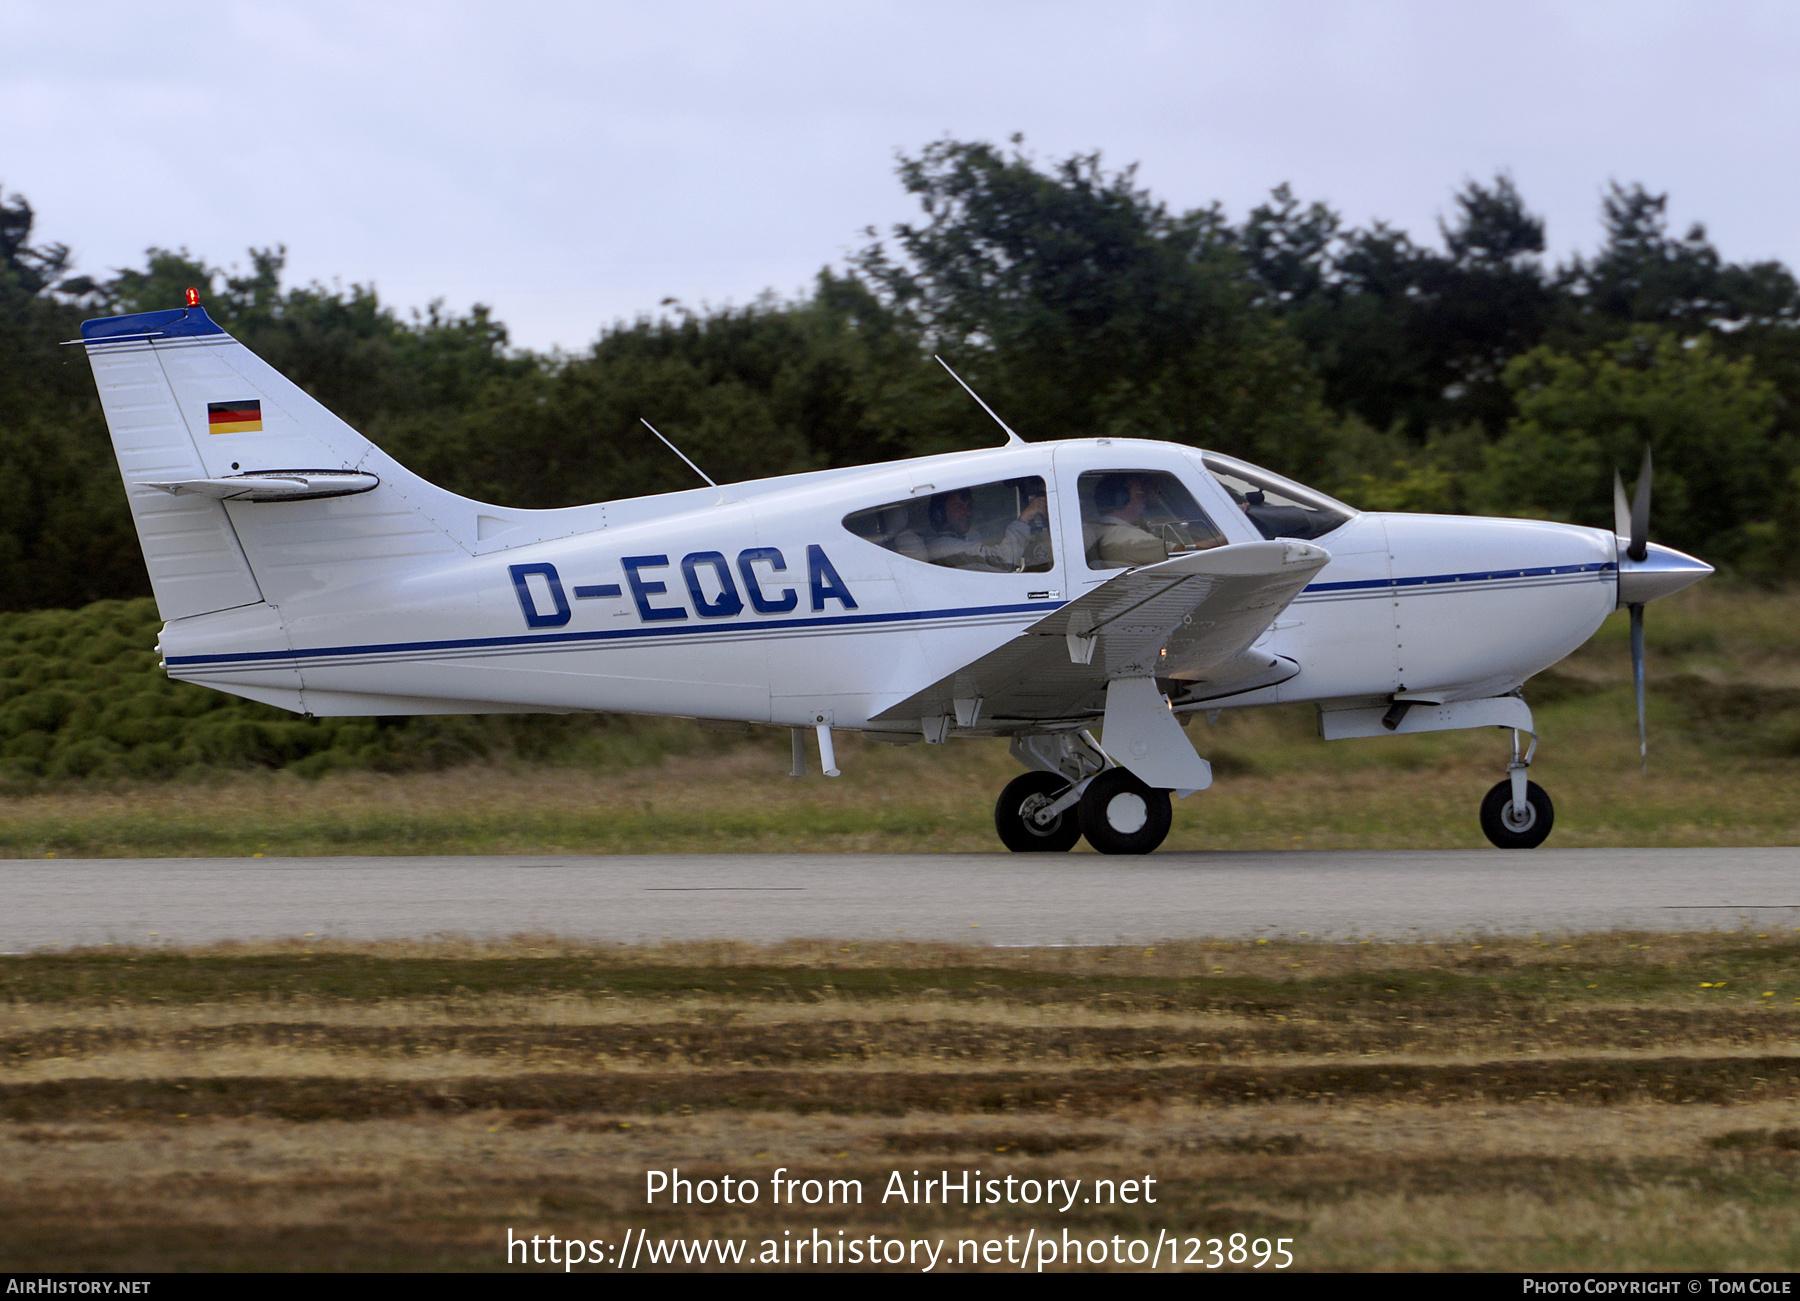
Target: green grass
{"x": 102, "y": 755}
{"x": 82, "y": 701}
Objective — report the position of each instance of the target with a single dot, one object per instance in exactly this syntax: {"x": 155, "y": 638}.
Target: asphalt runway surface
{"x": 968, "y": 898}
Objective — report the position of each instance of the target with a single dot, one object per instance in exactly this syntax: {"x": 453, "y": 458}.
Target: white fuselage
{"x": 756, "y": 603}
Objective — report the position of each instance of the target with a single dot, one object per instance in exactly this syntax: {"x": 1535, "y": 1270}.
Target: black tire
{"x": 1514, "y": 832}
{"x": 1018, "y": 832}
{"x": 1121, "y": 815}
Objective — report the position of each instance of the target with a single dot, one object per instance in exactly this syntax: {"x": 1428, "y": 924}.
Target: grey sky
{"x": 575, "y": 164}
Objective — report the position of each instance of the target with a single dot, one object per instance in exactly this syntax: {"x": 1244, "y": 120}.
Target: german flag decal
{"x": 234, "y": 417}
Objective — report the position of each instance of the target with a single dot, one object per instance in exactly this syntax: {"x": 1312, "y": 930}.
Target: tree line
{"x": 1476, "y": 376}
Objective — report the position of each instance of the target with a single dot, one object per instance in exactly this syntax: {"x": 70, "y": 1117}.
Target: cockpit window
{"x": 1140, "y": 517}
{"x": 1280, "y": 508}
{"x": 996, "y": 528}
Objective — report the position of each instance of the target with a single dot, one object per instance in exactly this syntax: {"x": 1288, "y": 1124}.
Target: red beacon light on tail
{"x": 193, "y": 298}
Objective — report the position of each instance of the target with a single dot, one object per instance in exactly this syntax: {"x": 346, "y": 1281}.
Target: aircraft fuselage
{"x": 764, "y": 607}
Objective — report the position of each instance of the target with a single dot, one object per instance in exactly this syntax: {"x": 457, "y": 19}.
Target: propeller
{"x": 1631, "y": 522}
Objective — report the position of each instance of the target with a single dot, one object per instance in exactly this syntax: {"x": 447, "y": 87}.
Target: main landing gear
{"x": 1040, "y": 812}
{"x": 1517, "y": 814}
{"x": 1121, "y": 815}
{"x": 1025, "y": 820}
{"x": 1047, "y": 811}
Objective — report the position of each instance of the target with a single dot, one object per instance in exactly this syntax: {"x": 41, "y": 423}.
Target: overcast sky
{"x": 575, "y": 164}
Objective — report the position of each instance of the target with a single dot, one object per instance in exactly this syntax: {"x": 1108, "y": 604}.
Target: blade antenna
{"x": 690, "y": 465}
{"x": 1012, "y": 439}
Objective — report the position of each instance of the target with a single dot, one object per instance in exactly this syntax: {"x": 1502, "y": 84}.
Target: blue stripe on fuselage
{"x": 1432, "y": 580}
{"x": 753, "y": 627}
{"x": 620, "y": 634}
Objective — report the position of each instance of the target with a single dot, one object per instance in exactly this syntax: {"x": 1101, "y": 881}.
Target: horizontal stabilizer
{"x": 271, "y": 485}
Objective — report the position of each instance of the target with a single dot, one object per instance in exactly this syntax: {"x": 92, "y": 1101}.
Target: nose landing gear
{"x": 1512, "y": 826}
{"x": 1516, "y": 813}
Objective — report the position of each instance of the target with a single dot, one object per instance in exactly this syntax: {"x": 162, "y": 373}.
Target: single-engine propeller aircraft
{"x": 1034, "y": 591}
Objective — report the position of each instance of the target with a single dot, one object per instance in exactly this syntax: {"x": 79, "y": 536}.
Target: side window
{"x": 1139, "y": 517}
{"x": 997, "y": 528}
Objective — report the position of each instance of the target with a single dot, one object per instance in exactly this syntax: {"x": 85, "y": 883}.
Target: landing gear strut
{"x": 1517, "y": 814}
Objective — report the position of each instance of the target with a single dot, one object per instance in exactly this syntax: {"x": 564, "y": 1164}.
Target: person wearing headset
{"x": 956, "y": 542}
{"x": 1119, "y": 537}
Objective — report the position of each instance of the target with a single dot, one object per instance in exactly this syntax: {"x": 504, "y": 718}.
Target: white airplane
{"x": 1034, "y": 591}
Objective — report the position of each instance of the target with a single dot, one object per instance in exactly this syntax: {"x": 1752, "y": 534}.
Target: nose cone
{"x": 1662, "y": 572}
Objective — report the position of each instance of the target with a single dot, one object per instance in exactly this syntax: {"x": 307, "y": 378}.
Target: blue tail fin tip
{"x": 173, "y": 322}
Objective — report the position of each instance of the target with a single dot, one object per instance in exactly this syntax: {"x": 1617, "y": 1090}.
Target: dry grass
{"x": 1597, "y": 1102}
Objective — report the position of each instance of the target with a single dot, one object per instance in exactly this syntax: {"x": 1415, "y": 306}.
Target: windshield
{"x": 1278, "y": 507}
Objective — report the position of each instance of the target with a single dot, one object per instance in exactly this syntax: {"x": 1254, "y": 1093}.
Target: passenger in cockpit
{"x": 956, "y": 541}
{"x": 891, "y": 531}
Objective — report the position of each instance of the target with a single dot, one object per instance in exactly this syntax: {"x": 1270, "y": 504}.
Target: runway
{"x": 967, "y": 898}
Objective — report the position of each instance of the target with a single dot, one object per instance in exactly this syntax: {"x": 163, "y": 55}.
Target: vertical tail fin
{"x": 191, "y": 410}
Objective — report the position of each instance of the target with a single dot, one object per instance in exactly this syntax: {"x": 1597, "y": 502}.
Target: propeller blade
{"x": 1637, "y": 678}
{"x": 1640, "y": 512}
{"x": 1621, "y": 510}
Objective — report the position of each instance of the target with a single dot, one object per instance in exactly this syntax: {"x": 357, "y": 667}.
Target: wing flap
{"x": 1191, "y": 618}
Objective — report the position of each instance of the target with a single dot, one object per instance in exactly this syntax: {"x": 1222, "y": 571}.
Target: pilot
{"x": 956, "y": 542}
{"x": 1119, "y": 538}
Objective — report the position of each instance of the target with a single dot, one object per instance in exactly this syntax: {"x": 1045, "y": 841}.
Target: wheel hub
{"x": 1519, "y": 817}
{"x": 1033, "y": 813}
{"x": 1127, "y": 813}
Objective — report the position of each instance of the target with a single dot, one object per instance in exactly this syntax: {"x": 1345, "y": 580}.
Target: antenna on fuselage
{"x": 690, "y": 465}
{"x": 1012, "y": 439}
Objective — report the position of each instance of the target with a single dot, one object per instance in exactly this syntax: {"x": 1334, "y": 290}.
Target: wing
{"x": 1191, "y": 618}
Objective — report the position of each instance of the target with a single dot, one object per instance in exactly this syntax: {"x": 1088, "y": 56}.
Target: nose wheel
{"x": 1517, "y": 814}
{"x": 1514, "y": 826}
